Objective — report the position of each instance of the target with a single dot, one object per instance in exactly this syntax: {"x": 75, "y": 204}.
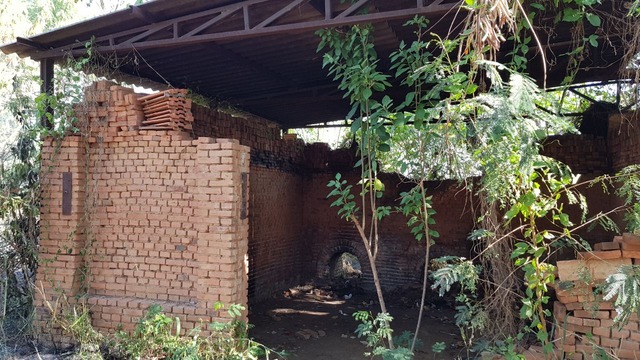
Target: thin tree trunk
{"x": 374, "y": 271}
{"x": 425, "y": 280}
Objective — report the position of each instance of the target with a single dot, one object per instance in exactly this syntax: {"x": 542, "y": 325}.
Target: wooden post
{"x": 46, "y": 76}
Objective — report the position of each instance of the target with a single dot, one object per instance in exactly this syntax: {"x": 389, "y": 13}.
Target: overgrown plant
{"x": 160, "y": 336}
{"x": 441, "y": 95}
{"x": 624, "y": 286}
{"x": 73, "y": 318}
{"x": 499, "y": 128}
{"x": 377, "y": 332}
{"x": 352, "y": 60}
{"x": 471, "y": 317}
{"x": 20, "y": 178}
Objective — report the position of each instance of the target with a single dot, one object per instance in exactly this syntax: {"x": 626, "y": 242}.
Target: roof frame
{"x": 170, "y": 30}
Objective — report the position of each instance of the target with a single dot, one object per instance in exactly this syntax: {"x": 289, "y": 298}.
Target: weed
{"x": 160, "y": 336}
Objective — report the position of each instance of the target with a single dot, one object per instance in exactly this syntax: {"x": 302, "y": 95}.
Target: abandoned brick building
{"x": 163, "y": 201}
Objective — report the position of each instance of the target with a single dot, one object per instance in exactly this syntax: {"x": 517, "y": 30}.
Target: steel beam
{"x": 280, "y": 13}
{"x": 46, "y": 87}
{"x": 138, "y": 38}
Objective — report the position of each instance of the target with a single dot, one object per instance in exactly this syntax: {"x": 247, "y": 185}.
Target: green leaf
{"x": 537, "y": 6}
{"x": 383, "y": 134}
{"x": 564, "y": 219}
{"x": 571, "y": 15}
{"x": 542, "y": 336}
{"x": 386, "y": 101}
{"x": 440, "y": 346}
{"x": 520, "y": 249}
{"x": 408, "y": 99}
{"x": 400, "y": 119}
{"x": 512, "y": 213}
{"x": 594, "y": 19}
{"x": 352, "y": 112}
{"x": 355, "y": 126}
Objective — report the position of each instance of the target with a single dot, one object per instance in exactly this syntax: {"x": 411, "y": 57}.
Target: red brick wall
{"x": 593, "y": 156}
{"x": 598, "y": 201}
{"x": 275, "y": 221}
{"x": 585, "y": 154}
{"x": 401, "y": 257}
{"x": 261, "y": 135}
{"x": 624, "y": 140}
{"x": 161, "y": 218}
{"x": 144, "y": 214}
{"x": 292, "y": 231}
{"x": 62, "y": 237}
{"x": 276, "y": 243}
{"x": 588, "y": 154}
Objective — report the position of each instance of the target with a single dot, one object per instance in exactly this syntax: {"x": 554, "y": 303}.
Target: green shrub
{"x": 159, "y": 336}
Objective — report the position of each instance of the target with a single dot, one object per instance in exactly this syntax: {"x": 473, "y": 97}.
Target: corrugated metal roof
{"x": 265, "y": 63}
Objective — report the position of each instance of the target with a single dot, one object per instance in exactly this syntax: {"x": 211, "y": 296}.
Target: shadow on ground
{"x": 313, "y": 323}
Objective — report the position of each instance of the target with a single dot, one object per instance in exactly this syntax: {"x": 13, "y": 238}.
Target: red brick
{"x": 610, "y": 343}
{"x": 620, "y": 334}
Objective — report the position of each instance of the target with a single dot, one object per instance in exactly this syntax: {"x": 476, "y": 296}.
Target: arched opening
{"x": 345, "y": 271}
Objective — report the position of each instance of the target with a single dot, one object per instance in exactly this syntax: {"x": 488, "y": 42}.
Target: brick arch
{"x": 338, "y": 247}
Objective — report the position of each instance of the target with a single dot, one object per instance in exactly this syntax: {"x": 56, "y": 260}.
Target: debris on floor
{"x": 314, "y": 321}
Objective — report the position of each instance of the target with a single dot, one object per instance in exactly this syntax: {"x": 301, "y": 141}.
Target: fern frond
{"x": 624, "y": 286}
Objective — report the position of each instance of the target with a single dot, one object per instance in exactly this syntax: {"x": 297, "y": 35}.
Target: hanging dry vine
{"x": 486, "y": 25}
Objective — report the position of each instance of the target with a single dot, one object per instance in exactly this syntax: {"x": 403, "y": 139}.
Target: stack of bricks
{"x": 624, "y": 140}
{"x": 167, "y": 110}
{"x": 584, "y": 320}
{"x": 268, "y": 149}
{"x": 156, "y": 218}
{"x": 221, "y": 217}
{"x": 585, "y": 154}
{"x": 109, "y": 110}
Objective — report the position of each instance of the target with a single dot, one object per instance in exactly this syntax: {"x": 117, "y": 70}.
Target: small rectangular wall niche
{"x": 66, "y": 193}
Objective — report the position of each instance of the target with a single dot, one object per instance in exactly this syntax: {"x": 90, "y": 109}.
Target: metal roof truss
{"x": 241, "y": 20}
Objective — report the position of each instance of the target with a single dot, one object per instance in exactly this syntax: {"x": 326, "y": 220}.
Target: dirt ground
{"x": 316, "y": 324}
